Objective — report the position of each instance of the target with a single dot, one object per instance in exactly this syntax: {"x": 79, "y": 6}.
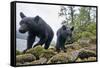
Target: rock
{"x": 74, "y": 46}
{"x": 40, "y": 61}
{"x": 47, "y": 54}
{"x": 36, "y": 51}
{"x": 18, "y": 52}
{"x": 81, "y": 55}
{"x": 86, "y": 53}
{"x": 92, "y": 59}
{"x": 92, "y": 48}
{"x": 79, "y": 60}
{"x": 63, "y": 58}
{"x": 25, "y": 58}
{"x": 40, "y": 52}
{"x": 84, "y": 42}
{"x": 59, "y": 58}
{"x": 83, "y": 50}
{"x": 86, "y": 59}
{"x": 74, "y": 55}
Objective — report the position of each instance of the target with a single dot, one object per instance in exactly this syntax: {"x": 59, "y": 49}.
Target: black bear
{"x": 63, "y": 34}
{"x": 36, "y": 26}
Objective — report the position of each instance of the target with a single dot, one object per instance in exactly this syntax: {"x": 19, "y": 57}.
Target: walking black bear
{"x": 36, "y": 26}
{"x": 63, "y": 34}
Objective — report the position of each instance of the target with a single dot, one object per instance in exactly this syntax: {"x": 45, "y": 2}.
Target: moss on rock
{"x": 47, "y": 54}
{"x": 36, "y": 51}
{"x": 63, "y": 58}
{"x": 59, "y": 58}
{"x": 25, "y": 58}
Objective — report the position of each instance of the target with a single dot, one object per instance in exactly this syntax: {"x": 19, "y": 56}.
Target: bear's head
{"x": 28, "y": 23}
{"x": 23, "y": 26}
{"x": 68, "y": 32}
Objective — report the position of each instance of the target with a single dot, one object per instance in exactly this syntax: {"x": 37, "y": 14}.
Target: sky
{"x": 49, "y": 13}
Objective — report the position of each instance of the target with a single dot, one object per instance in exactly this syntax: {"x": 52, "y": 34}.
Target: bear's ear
{"x": 22, "y": 15}
{"x": 64, "y": 27}
{"x": 36, "y": 19}
{"x": 72, "y": 28}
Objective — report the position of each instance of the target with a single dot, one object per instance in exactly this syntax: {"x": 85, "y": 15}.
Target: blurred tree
{"x": 71, "y": 14}
{"x": 82, "y": 18}
{"x": 68, "y": 14}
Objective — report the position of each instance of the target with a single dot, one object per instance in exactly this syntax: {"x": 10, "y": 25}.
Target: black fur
{"x": 36, "y": 26}
{"x": 63, "y": 34}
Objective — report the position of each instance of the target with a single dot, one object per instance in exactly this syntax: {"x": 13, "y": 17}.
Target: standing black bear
{"x": 36, "y": 26}
{"x": 63, "y": 34}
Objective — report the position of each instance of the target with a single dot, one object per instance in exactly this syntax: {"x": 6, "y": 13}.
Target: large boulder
{"x": 25, "y": 58}
{"x": 59, "y": 58}
{"x": 64, "y": 58}
{"x": 36, "y": 51}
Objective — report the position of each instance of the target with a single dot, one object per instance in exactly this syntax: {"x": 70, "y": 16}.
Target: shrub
{"x": 84, "y": 31}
